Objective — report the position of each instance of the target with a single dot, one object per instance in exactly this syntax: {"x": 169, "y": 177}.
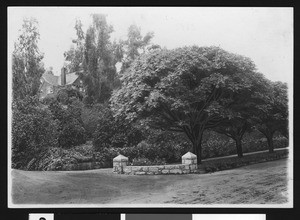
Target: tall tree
{"x": 75, "y": 54}
{"x": 187, "y": 90}
{"x": 134, "y": 45}
{"x": 272, "y": 113}
{"x": 238, "y": 120}
{"x": 27, "y": 66}
{"x": 235, "y": 129}
{"x": 99, "y": 61}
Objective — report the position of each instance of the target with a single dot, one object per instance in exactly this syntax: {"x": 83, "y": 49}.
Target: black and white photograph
{"x": 150, "y": 107}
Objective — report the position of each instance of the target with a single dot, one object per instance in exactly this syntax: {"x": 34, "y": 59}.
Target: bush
{"x": 90, "y": 117}
{"x": 71, "y": 134}
{"x": 61, "y": 159}
{"x": 112, "y": 132}
{"x": 217, "y": 145}
{"x": 146, "y": 162}
{"x": 167, "y": 145}
{"x": 71, "y": 130}
{"x": 33, "y": 132}
{"x": 67, "y": 95}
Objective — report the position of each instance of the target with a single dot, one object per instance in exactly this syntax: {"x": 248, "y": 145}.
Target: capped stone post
{"x": 190, "y": 159}
{"x": 119, "y": 163}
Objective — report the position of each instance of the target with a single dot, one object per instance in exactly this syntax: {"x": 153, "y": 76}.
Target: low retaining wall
{"x": 160, "y": 169}
{"x": 189, "y": 165}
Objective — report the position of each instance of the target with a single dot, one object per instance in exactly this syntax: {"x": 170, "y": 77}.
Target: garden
{"x": 162, "y": 104}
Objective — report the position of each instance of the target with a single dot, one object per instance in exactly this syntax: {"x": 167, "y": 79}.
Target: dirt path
{"x": 264, "y": 183}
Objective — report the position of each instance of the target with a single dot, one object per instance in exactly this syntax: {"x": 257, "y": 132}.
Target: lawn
{"x": 263, "y": 183}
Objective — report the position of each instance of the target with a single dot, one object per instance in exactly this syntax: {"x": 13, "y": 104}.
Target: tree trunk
{"x": 270, "y": 144}
{"x": 199, "y": 153}
{"x": 239, "y": 149}
{"x": 196, "y": 141}
{"x": 197, "y": 149}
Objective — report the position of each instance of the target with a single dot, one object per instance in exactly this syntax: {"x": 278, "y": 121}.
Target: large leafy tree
{"x": 271, "y": 114}
{"x": 238, "y": 120}
{"x": 27, "y": 66}
{"x": 99, "y": 61}
{"x": 235, "y": 129}
{"x": 187, "y": 90}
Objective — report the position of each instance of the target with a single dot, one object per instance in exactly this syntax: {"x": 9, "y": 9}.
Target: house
{"x": 50, "y": 84}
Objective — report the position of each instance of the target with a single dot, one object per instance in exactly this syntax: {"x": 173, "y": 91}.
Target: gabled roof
{"x": 56, "y": 80}
{"x": 51, "y": 79}
{"x": 70, "y": 78}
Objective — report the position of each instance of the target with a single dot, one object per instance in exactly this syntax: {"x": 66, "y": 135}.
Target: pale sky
{"x": 263, "y": 34}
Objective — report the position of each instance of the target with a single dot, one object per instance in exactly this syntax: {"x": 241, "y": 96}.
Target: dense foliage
{"x": 71, "y": 130}
{"x": 271, "y": 114}
{"x": 133, "y": 46}
{"x": 27, "y": 66}
{"x": 34, "y": 131}
{"x": 188, "y": 89}
{"x": 162, "y": 104}
{"x": 115, "y": 132}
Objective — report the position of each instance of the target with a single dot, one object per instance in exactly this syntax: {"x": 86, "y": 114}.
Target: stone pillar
{"x": 190, "y": 159}
{"x": 119, "y": 163}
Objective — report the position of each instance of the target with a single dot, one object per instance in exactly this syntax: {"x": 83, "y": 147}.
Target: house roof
{"x": 51, "y": 79}
{"x": 70, "y": 78}
{"x": 56, "y": 80}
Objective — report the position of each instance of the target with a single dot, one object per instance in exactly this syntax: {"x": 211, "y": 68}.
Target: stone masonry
{"x": 189, "y": 165}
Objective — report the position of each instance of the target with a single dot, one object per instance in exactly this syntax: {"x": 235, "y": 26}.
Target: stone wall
{"x": 160, "y": 169}
{"x": 189, "y": 165}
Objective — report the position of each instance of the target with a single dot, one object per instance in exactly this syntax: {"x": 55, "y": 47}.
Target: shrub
{"x": 217, "y": 145}
{"x": 167, "y": 145}
{"x": 146, "y": 162}
{"x": 33, "y": 132}
{"x": 90, "y": 117}
{"x": 151, "y": 153}
{"x": 60, "y": 159}
{"x": 71, "y": 130}
{"x": 71, "y": 134}
{"x": 67, "y": 95}
{"x": 112, "y": 132}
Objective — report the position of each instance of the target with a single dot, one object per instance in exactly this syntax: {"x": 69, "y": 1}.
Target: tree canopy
{"x": 271, "y": 113}
{"x": 188, "y": 89}
{"x": 133, "y": 46}
{"x": 27, "y": 66}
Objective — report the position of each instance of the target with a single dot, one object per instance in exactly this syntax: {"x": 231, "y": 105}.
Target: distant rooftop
{"x": 56, "y": 80}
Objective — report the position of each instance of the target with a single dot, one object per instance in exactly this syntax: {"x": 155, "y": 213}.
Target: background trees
{"x": 34, "y": 131}
{"x": 134, "y": 45}
{"x": 169, "y": 102}
{"x": 272, "y": 110}
{"x": 75, "y": 55}
{"x": 99, "y": 63}
{"x": 27, "y": 66}
{"x": 187, "y": 90}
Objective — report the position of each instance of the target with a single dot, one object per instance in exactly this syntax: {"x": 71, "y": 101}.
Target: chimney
{"x": 63, "y": 76}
